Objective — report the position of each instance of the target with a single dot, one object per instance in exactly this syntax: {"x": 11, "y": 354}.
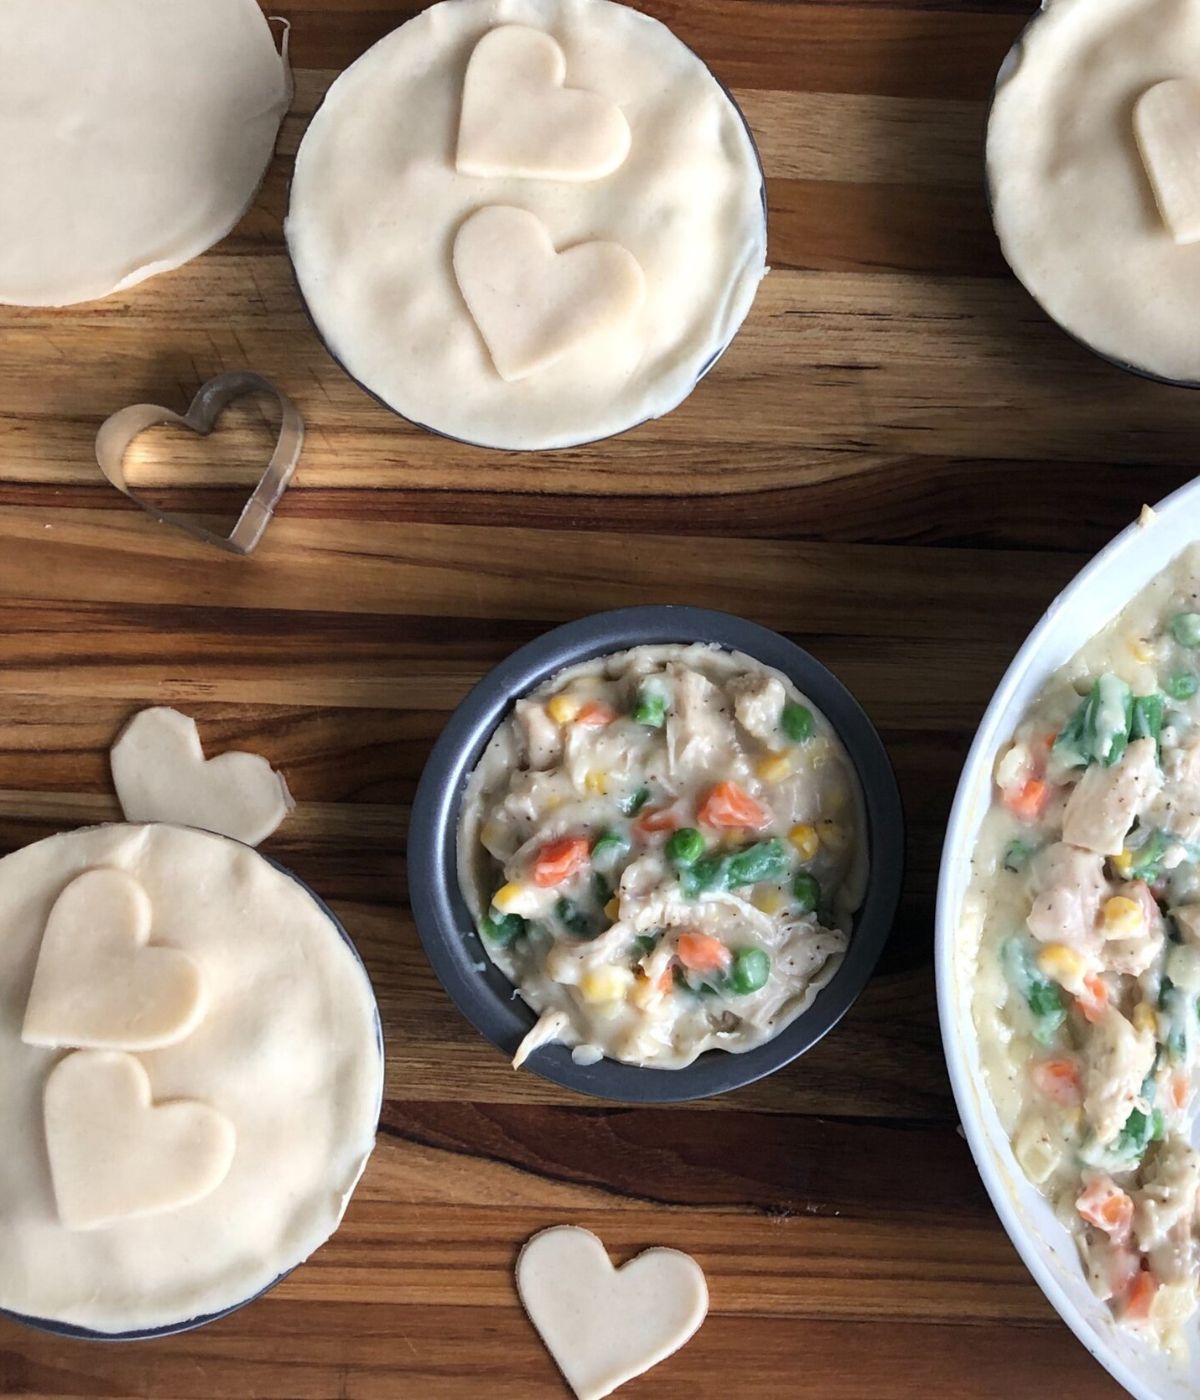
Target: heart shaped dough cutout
{"x": 98, "y": 983}
{"x": 532, "y": 304}
{"x": 518, "y": 118}
{"x": 161, "y": 775}
{"x": 603, "y": 1326}
{"x": 114, "y": 1154}
{"x": 1166, "y": 122}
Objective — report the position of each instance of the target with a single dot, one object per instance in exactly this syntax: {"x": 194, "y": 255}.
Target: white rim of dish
{"x": 946, "y": 920}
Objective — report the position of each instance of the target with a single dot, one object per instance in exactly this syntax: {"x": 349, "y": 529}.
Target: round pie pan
{"x": 585, "y": 441}
{"x": 480, "y": 989}
{"x": 189, "y": 1324}
{"x": 1007, "y": 66}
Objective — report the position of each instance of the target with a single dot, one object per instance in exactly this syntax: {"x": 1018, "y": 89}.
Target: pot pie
{"x": 185, "y": 1118}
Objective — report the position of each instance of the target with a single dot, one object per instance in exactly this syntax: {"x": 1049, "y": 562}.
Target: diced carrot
{"x": 595, "y": 715}
{"x": 1029, "y": 801}
{"x": 559, "y": 860}
{"x": 1058, "y": 1080}
{"x": 1139, "y": 1298}
{"x": 1106, "y": 1206}
{"x": 1093, "y": 1000}
{"x": 699, "y": 952}
{"x": 659, "y": 819}
{"x": 1181, "y": 1090}
{"x": 729, "y": 805}
{"x": 665, "y": 981}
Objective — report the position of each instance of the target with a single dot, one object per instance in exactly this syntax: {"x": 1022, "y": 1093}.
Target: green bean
{"x": 1016, "y": 855}
{"x": 1098, "y": 731}
{"x": 708, "y": 873}
{"x": 1042, "y": 997}
{"x": 807, "y": 892}
{"x": 767, "y": 860}
{"x": 644, "y": 944}
{"x": 650, "y": 707}
{"x": 1147, "y": 718}
{"x": 1147, "y": 858}
{"x": 634, "y": 803}
{"x": 574, "y": 920}
{"x": 796, "y": 721}
{"x": 602, "y": 891}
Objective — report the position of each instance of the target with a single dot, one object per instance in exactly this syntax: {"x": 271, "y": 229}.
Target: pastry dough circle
{"x": 376, "y": 204}
{"x": 288, "y": 1051}
{"x": 1071, "y": 200}
{"x": 133, "y": 136}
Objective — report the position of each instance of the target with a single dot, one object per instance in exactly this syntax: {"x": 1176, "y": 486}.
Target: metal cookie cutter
{"x": 118, "y": 432}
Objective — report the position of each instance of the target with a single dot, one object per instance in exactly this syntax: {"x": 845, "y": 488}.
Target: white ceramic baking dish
{"x": 1095, "y": 596}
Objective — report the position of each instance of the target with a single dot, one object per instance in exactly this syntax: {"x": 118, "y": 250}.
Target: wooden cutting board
{"x": 898, "y": 463}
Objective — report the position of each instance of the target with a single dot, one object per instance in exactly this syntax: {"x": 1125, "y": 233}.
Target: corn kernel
{"x": 603, "y": 984}
{"x": 1123, "y": 864}
{"x": 833, "y": 836}
{"x": 734, "y": 837}
{"x": 805, "y": 839}
{"x": 837, "y": 799}
{"x": 508, "y": 897}
{"x": 596, "y": 782}
{"x": 769, "y": 900}
{"x": 1145, "y": 1018}
{"x": 1122, "y": 917}
{"x": 563, "y": 708}
{"x": 818, "y": 751}
{"x": 491, "y": 834}
{"x": 612, "y": 910}
{"x": 1059, "y": 962}
{"x": 1140, "y": 651}
{"x": 775, "y": 767}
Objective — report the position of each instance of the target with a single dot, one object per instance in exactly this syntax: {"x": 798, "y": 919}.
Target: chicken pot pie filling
{"x": 1085, "y": 906}
{"x": 663, "y": 850}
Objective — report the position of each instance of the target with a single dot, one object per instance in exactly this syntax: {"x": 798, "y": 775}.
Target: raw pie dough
{"x": 603, "y": 1326}
{"x": 519, "y": 119}
{"x": 97, "y": 983}
{"x": 133, "y": 136}
{"x": 161, "y": 775}
{"x": 377, "y": 204}
{"x": 114, "y": 1155}
{"x": 1072, "y": 195}
{"x": 287, "y": 1053}
{"x": 533, "y": 305}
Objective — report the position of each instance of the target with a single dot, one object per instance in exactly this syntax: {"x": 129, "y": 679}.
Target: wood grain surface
{"x": 897, "y": 463}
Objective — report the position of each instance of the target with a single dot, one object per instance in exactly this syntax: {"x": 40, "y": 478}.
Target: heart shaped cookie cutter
{"x": 117, "y": 433}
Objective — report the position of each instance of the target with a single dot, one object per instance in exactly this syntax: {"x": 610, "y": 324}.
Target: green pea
{"x": 807, "y": 892}
{"x": 1016, "y": 855}
{"x": 607, "y": 850}
{"x": 1185, "y": 628}
{"x": 796, "y": 722}
{"x": 634, "y": 803}
{"x": 749, "y": 970}
{"x": 768, "y": 860}
{"x": 685, "y": 847}
{"x": 1181, "y": 686}
{"x": 502, "y": 929}
{"x": 574, "y": 920}
{"x": 650, "y": 708}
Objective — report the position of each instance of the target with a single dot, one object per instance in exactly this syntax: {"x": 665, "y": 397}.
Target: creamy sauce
{"x": 1084, "y": 916}
{"x": 663, "y": 849}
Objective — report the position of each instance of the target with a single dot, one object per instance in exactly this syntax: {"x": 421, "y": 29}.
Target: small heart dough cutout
{"x": 115, "y": 1155}
{"x": 161, "y": 775}
{"x": 518, "y": 118}
{"x": 1166, "y": 122}
{"x": 603, "y": 1326}
{"x": 533, "y": 305}
{"x": 99, "y": 982}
